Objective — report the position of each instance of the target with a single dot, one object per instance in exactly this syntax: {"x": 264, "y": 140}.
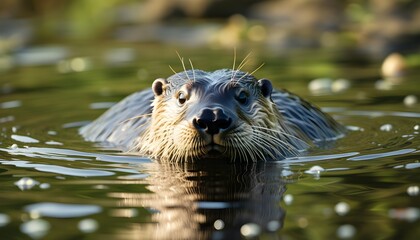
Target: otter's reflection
{"x": 187, "y": 199}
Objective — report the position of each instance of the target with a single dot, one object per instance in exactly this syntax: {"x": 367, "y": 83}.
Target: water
{"x": 57, "y": 186}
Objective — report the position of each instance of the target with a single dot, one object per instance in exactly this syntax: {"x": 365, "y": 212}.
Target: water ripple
{"x": 62, "y": 210}
{"x": 382, "y": 155}
{"x": 59, "y": 169}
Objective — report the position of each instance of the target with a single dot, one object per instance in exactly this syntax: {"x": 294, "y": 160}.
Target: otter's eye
{"x": 242, "y": 97}
{"x": 181, "y": 98}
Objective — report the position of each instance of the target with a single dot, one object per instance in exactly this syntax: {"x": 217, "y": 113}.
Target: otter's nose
{"x": 212, "y": 120}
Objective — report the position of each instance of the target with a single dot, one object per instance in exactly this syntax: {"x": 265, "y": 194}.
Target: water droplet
{"x": 250, "y": 230}
{"x": 273, "y": 226}
{"x": 410, "y": 100}
{"x": 79, "y": 64}
{"x": 14, "y": 146}
{"x": 219, "y": 224}
{"x": 342, "y": 208}
{"x": 315, "y": 171}
{"x": 340, "y": 85}
{"x": 26, "y": 183}
{"x": 36, "y": 229}
{"x": 386, "y": 127}
{"x": 320, "y": 86}
{"x": 53, "y": 133}
{"x": 288, "y": 199}
{"x": 88, "y": 225}
{"x": 346, "y": 231}
{"x": 44, "y": 186}
{"x": 4, "y": 219}
{"x": 417, "y": 127}
{"x": 413, "y": 191}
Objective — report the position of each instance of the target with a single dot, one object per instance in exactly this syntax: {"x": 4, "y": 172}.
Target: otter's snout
{"x": 212, "y": 121}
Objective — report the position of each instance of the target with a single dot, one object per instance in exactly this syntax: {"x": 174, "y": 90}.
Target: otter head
{"x": 223, "y": 114}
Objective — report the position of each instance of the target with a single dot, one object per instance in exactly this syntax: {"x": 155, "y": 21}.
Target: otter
{"x": 225, "y": 114}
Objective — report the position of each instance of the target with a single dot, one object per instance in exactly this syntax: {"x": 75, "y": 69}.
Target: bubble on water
{"x": 410, "y": 214}
{"x": 320, "y": 86}
{"x": 346, "y": 231}
{"x": 355, "y": 128}
{"x": 79, "y": 64}
{"x": 288, "y": 199}
{"x": 44, "y": 185}
{"x": 4, "y": 219}
{"x": 413, "y": 191}
{"x": 386, "y": 127}
{"x": 342, "y": 208}
{"x": 410, "y": 100}
{"x": 88, "y": 225}
{"x": 315, "y": 171}
{"x": 219, "y": 224}
{"x": 26, "y": 183}
{"x": 36, "y": 228}
{"x": 53, "y": 133}
{"x": 340, "y": 85}
{"x": 250, "y": 230}
{"x": 417, "y": 127}
{"x": 273, "y": 225}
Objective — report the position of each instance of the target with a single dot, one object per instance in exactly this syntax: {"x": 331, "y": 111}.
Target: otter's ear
{"x": 266, "y": 87}
{"x": 159, "y": 86}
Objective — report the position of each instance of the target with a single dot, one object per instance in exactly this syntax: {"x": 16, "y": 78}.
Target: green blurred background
{"x": 372, "y": 28}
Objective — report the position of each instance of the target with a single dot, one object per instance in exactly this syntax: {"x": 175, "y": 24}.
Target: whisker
{"x": 176, "y": 74}
{"x": 183, "y": 65}
{"x": 258, "y": 68}
{"x": 192, "y": 67}
{"x": 242, "y": 64}
{"x": 244, "y": 61}
{"x": 234, "y": 62}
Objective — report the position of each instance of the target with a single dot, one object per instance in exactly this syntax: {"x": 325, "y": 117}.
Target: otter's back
{"x": 307, "y": 118}
{"x": 123, "y": 122}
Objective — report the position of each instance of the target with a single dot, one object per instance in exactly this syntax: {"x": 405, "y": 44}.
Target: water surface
{"x": 57, "y": 186}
